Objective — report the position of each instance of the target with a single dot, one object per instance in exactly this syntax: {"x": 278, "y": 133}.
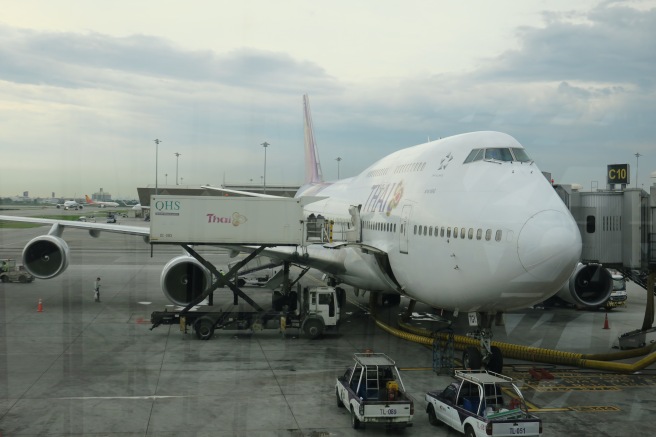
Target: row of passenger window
{"x": 456, "y": 232}
{"x": 415, "y": 166}
{"x": 430, "y": 231}
{"x": 378, "y": 172}
{"x": 404, "y": 168}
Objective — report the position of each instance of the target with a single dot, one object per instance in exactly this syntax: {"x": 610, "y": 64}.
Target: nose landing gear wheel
{"x": 472, "y": 358}
{"x": 495, "y": 364}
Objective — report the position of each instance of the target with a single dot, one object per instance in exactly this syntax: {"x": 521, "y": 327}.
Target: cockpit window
{"x": 498, "y": 154}
{"x": 474, "y": 155}
{"x": 521, "y": 155}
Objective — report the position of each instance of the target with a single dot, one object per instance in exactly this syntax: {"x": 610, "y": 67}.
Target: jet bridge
{"x": 618, "y": 230}
{"x": 614, "y": 225}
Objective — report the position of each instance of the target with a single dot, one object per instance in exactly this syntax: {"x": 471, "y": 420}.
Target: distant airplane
{"x": 466, "y": 223}
{"x": 99, "y": 204}
{"x": 69, "y": 204}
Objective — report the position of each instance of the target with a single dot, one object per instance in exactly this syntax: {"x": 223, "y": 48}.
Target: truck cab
{"x": 319, "y": 310}
{"x": 618, "y": 294}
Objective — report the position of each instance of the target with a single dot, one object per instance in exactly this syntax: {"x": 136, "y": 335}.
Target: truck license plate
{"x": 388, "y": 411}
{"x": 510, "y": 429}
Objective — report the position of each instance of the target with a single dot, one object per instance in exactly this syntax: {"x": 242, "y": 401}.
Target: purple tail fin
{"x": 312, "y": 166}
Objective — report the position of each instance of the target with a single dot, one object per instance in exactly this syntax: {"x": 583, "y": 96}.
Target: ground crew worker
{"x": 96, "y": 289}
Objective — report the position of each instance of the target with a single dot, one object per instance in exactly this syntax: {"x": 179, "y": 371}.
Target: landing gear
{"x": 495, "y": 362}
{"x": 472, "y": 358}
{"x": 487, "y": 355}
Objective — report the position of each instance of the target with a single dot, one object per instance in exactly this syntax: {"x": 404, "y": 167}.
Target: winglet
{"x": 312, "y": 165}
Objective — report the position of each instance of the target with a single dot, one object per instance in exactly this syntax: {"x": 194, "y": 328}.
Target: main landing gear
{"x": 486, "y": 355}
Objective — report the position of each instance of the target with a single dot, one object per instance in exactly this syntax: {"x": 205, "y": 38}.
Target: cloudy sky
{"x": 86, "y": 86}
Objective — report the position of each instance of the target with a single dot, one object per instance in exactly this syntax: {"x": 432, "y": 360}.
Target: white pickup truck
{"x": 482, "y": 403}
{"x": 373, "y": 392}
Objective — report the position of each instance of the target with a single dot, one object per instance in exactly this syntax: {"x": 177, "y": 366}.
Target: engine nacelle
{"x": 589, "y": 286}
{"x": 184, "y": 278}
{"x": 46, "y": 256}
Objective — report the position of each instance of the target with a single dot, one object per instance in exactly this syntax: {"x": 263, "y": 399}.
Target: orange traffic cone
{"x": 606, "y": 322}
{"x": 39, "y": 307}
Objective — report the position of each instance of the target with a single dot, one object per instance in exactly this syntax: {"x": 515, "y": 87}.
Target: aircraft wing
{"x": 93, "y": 228}
{"x": 356, "y": 264}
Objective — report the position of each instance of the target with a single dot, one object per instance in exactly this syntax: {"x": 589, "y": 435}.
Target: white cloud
{"x": 576, "y": 89}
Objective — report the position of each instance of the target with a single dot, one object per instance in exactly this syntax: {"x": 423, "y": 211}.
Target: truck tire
{"x": 313, "y": 328}
{"x": 340, "y": 404}
{"x": 432, "y": 417}
{"x": 204, "y": 328}
{"x": 471, "y": 358}
{"x": 5, "y": 279}
{"x": 469, "y": 431}
{"x": 22, "y": 279}
{"x": 355, "y": 423}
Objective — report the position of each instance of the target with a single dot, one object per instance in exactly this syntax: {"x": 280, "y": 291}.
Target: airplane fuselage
{"x": 485, "y": 235}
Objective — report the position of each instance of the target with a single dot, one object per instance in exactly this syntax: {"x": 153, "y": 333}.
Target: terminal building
{"x": 144, "y": 193}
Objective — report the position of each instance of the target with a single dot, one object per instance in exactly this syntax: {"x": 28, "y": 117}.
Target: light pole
{"x": 177, "y": 156}
{"x": 265, "y": 145}
{"x": 166, "y": 181}
{"x": 637, "y": 155}
{"x": 338, "y": 159}
{"x": 156, "y": 154}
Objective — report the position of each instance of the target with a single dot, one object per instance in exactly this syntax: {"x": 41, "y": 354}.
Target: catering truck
{"x": 482, "y": 403}
{"x": 313, "y": 311}
{"x": 373, "y": 392}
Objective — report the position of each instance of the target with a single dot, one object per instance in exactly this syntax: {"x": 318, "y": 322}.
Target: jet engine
{"x": 46, "y": 256}
{"x": 184, "y": 278}
{"x": 589, "y": 286}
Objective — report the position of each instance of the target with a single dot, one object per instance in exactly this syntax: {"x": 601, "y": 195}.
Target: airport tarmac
{"x": 85, "y": 368}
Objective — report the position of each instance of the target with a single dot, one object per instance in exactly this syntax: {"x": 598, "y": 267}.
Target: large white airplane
{"x": 69, "y": 204}
{"x": 91, "y": 202}
{"x": 466, "y": 223}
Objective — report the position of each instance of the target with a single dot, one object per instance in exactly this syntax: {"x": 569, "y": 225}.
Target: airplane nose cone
{"x": 549, "y": 246}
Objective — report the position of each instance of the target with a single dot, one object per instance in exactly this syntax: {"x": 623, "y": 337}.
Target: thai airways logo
{"x": 384, "y": 198}
{"x": 396, "y": 198}
{"x": 236, "y": 219}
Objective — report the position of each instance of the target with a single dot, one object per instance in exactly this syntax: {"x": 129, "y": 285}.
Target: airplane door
{"x": 403, "y": 234}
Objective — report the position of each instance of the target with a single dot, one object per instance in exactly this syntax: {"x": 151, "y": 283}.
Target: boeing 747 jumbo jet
{"x": 91, "y": 202}
{"x": 466, "y": 223}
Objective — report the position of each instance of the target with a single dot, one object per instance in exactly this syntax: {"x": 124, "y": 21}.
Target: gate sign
{"x": 618, "y": 174}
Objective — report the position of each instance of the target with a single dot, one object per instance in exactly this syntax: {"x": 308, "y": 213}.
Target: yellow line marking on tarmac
{"x": 595, "y": 409}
